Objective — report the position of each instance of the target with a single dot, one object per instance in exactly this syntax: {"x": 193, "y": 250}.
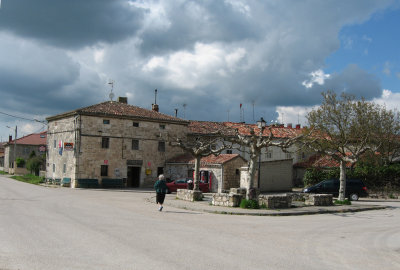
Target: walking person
{"x": 161, "y": 189}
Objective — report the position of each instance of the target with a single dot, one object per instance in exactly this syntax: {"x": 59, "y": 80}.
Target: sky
{"x": 205, "y": 58}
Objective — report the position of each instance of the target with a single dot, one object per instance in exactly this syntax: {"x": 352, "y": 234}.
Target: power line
{"x": 33, "y": 120}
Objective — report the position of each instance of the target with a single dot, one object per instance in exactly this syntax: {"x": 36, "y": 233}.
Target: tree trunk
{"x": 342, "y": 188}
{"x": 196, "y": 185}
{"x": 252, "y": 174}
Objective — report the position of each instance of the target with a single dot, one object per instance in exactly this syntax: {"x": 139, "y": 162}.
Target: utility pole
{"x": 15, "y": 148}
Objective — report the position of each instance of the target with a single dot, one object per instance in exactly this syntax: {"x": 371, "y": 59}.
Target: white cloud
{"x": 317, "y": 76}
{"x": 190, "y": 69}
{"x": 293, "y": 114}
{"x": 389, "y": 99}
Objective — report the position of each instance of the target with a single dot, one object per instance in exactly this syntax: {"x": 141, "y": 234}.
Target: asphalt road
{"x": 61, "y": 228}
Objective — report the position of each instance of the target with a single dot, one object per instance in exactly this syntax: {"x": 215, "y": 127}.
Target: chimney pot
{"x": 123, "y": 100}
{"x": 9, "y": 138}
{"x": 154, "y": 107}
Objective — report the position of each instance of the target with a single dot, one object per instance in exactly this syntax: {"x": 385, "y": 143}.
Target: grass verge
{"x": 3, "y": 172}
{"x": 28, "y": 178}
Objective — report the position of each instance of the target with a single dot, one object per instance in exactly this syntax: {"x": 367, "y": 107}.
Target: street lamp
{"x": 261, "y": 125}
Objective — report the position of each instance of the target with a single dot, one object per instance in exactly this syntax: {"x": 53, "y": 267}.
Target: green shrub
{"x": 20, "y": 162}
{"x": 249, "y": 204}
{"x": 345, "y": 202}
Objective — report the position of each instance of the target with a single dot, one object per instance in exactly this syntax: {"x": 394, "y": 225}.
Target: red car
{"x": 182, "y": 184}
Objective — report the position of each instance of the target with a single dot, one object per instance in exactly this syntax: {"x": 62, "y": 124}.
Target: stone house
{"x": 22, "y": 148}
{"x": 222, "y": 172}
{"x": 277, "y": 173}
{"x": 1, "y": 156}
{"x": 112, "y": 140}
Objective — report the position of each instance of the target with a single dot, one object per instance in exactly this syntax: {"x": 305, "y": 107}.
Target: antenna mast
{"x": 111, "y": 95}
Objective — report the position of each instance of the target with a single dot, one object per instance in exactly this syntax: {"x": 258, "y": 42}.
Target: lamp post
{"x": 261, "y": 125}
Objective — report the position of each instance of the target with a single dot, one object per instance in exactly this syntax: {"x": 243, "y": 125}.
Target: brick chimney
{"x": 289, "y": 125}
{"x": 154, "y": 107}
{"x": 9, "y": 138}
{"x": 123, "y": 100}
{"x": 298, "y": 126}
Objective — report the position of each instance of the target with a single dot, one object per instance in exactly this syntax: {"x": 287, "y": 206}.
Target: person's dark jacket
{"x": 161, "y": 186}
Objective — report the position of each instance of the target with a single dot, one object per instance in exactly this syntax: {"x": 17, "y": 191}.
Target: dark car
{"x": 183, "y": 184}
{"x": 355, "y": 188}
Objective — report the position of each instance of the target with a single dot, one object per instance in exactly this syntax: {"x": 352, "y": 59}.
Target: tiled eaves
{"x": 115, "y": 109}
{"x": 228, "y": 129}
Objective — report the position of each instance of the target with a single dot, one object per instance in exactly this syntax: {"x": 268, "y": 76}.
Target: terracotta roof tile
{"x": 32, "y": 139}
{"x": 209, "y": 160}
{"x": 115, "y": 109}
{"x": 228, "y": 128}
{"x": 318, "y": 161}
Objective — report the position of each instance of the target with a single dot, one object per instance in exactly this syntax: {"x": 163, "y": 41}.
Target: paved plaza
{"x": 61, "y": 228}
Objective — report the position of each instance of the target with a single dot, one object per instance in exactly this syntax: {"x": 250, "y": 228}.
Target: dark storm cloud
{"x": 72, "y": 23}
{"x": 193, "y": 21}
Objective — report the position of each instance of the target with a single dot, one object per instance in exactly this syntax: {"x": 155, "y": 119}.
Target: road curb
{"x": 278, "y": 212}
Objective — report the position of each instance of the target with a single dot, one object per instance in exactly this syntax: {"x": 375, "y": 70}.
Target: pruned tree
{"x": 254, "y": 141}
{"x": 203, "y": 146}
{"x": 343, "y": 128}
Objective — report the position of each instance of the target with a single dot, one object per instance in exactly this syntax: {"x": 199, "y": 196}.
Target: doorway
{"x": 133, "y": 176}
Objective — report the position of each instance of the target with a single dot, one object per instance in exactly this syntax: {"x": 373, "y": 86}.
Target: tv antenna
{"x": 184, "y": 110}
{"x": 111, "y": 95}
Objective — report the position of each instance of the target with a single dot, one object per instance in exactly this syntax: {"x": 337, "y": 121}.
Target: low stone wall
{"x": 319, "y": 200}
{"x": 225, "y": 199}
{"x": 189, "y": 195}
{"x": 275, "y": 201}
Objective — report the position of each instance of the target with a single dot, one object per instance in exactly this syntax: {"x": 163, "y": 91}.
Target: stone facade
{"x": 319, "y": 199}
{"x": 275, "y": 201}
{"x": 105, "y": 145}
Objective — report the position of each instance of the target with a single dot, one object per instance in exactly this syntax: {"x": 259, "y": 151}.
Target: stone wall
{"x": 275, "y": 201}
{"x": 225, "y": 199}
{"x": 189, "y": 195}
{"x": 319, "y": 199}
{"x": 231, "y": 173}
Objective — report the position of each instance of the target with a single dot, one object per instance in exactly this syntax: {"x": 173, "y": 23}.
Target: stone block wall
{"x": 275, "y": 201}
{"x": 319, "y": 200}
{"x": 225, "y": 199}
{"x": 189, "y": 195}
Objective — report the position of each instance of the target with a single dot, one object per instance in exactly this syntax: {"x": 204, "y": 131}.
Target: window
{"x": 106, "y": 121}
{"x": 268, "y": 154}
{"x": 104, "y": 170}
{"x": 135, "y": 124}
{"x": 135, "y": 144}
{"x": 55, "y": 143}
{"x": 54, "y": 167}
{"x": 161, "y": 146}
{"x": 288, "y": 155}
{"x": 105, "y": 142}
{"x": 162, "y": 126}
{"x": 237, "y": 172}
{"x": 229, "y": 151}
{"x": 64, "y": 168}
